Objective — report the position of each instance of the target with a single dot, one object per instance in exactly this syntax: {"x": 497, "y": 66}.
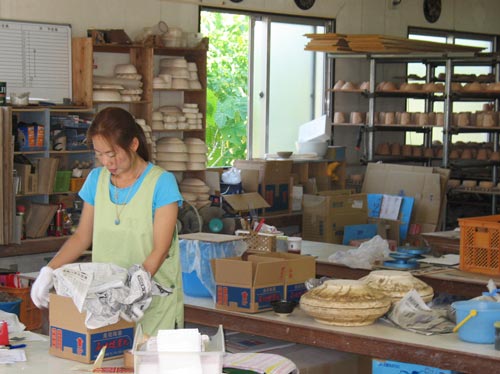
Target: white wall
{"x": 352, "y": 16}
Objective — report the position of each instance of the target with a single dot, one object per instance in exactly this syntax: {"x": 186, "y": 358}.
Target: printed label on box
{"x": 116, "y": 342}
{"x": 241, "y": 296}
{"x": 295, "y": 291}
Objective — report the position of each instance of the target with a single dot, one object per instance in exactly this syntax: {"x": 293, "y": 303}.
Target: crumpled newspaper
{"x": 107, "y": 292}
{"x": 412, "y": 313}
{"x": 375, "y": 249}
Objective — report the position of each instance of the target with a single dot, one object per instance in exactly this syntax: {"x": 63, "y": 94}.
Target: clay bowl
{"x": 284, "y": 154}
{"x": 283, "y": 307}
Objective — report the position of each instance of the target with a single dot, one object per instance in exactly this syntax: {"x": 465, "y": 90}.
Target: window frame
{"x": 320, "y": 101}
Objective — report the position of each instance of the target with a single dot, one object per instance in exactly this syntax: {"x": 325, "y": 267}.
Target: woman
{"x": 129, "y": 217}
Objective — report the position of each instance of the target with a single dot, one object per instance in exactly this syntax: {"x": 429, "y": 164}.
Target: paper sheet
{"x": 448, "y": 260}
{"x": 10, "y": 356}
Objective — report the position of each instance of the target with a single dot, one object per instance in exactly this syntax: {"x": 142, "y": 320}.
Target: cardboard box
{"x": 71, "y": 339}
{"x": 426, "y": 184}
{"x": 248, "y": 285}
{"x": 395, "y": 367}
{"x": 299, "y": 269}
{"x": 270, "y": 178}
{"x": 325, "y": 215}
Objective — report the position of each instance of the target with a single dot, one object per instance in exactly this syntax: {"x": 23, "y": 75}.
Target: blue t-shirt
{"x": 166, "y": 189}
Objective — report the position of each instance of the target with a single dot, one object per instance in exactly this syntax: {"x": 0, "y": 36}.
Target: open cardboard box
{"x": 248, "y": 285}
{"x": 71, "y": 339}
{"x": 300, "y": 268}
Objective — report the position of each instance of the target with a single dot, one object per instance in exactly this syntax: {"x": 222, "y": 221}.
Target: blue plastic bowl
{"x": 192, "y": 285}
{"x": 13, "y": 307}
{"x": 478, "y": 329}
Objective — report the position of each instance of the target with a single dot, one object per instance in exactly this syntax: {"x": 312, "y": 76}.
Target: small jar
{"x": 294, "y": 245}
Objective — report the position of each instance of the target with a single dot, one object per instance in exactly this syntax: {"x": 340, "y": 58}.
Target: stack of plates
{"x": 195, "y": 191}
{"x": 197, "y": 154}
{"x": 171, "y": 154}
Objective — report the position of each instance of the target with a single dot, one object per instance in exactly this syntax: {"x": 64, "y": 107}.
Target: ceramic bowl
{"x": 284, "y": 154}
{"x": 283, "y": 307}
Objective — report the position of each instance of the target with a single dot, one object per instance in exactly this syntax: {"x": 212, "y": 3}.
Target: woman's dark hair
{"x": 118, "y": 126}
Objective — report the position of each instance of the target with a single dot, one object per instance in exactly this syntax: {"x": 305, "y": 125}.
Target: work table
{"x": 379, "y": 340}
{"x": 442, "y": 279}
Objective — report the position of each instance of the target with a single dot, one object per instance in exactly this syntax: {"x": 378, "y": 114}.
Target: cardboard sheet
{"x": 422, "y": 183}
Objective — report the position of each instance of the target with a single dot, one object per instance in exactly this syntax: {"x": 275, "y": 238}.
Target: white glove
{"x": 40, "y": 289}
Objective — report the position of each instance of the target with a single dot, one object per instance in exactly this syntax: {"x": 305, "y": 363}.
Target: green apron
{"x": 130, "y": 243}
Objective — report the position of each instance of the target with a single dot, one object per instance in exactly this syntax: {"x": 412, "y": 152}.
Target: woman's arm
{"x": 165, "y": 220}
{"x": 77, "y": 243}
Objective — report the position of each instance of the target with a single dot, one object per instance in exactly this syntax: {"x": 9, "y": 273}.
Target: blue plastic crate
{"x": 13, "y": 307}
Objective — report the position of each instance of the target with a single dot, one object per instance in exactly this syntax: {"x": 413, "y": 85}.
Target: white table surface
{"x": 39, "y": 361}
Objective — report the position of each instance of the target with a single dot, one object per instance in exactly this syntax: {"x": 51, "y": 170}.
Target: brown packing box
{"x": 71, "y": 339}
{"x": 299, "y": 269}
{"x": 425, "y": 184}
{"x": 271, "y": 179}
{"x": 248, "y": 285}
{"x": 245, "y": 201}
{"x": 325, "y": 215}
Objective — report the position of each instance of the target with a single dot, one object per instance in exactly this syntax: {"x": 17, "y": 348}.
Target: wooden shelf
{"x": 33, "y": 246}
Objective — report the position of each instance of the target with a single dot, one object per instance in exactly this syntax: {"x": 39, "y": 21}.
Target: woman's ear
{"x": 134, "y": 146}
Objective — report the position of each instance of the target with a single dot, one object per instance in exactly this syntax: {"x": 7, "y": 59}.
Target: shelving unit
{"x": 449, "y": 60}
{"x": 143, "y": 57}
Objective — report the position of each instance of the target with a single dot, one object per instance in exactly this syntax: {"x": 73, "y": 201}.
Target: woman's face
{"x": 112, "y": 157}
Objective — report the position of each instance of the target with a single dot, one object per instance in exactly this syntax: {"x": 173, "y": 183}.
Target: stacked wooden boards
{"x": 372, "y": 43}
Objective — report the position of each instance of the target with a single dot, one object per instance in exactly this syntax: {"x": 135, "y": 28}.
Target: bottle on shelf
{"x": 20, "y": 228}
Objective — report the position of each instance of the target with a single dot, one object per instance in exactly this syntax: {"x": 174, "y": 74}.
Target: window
{"x": 262, "y": 85}
{"x": 488, "y": 42}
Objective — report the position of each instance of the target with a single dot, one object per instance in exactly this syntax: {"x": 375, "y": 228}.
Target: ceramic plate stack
{"x": 177, "y": 68}
{"x": 395, "y": 284}
{"x": 171, "y": 154}
{"x": 173, "y": 118}
{"x": 193, "y": 116}
{"x": 345, "y": 302}
{"x": 197, "y": 154}
{"x": 147, "y": 130}
{"x": 194, "y": 80}
{"x": 196, "y": 190}
{"x": 129, "y": 72}
{"x": 157, "y": 120}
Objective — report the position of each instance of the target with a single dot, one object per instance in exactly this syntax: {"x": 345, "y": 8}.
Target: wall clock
{"x": 432, "y": 10}
{"x": 305, "y": 4}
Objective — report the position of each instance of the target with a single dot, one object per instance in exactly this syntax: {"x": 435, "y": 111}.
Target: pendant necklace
{"x": 119, "y": 207}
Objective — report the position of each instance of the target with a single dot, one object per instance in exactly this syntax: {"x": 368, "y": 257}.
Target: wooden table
{"x": 442, "y": 279}
{"x": 378, "y": 340}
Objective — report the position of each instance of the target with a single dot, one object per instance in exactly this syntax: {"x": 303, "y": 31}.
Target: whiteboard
{"x": 36, "y": 58}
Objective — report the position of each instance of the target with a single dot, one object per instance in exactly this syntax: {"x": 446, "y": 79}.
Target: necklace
{"x": 119, "y": 207}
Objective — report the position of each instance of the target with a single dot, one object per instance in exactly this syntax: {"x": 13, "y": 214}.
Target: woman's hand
{"x": 40, "y": 289}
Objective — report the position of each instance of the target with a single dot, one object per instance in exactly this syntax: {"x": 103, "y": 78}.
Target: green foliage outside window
{"x": 227, "y": 87}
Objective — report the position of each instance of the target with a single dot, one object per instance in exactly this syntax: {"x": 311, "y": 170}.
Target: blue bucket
{"x": 11, "y": 306}
{"x": 476, "y": 320}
